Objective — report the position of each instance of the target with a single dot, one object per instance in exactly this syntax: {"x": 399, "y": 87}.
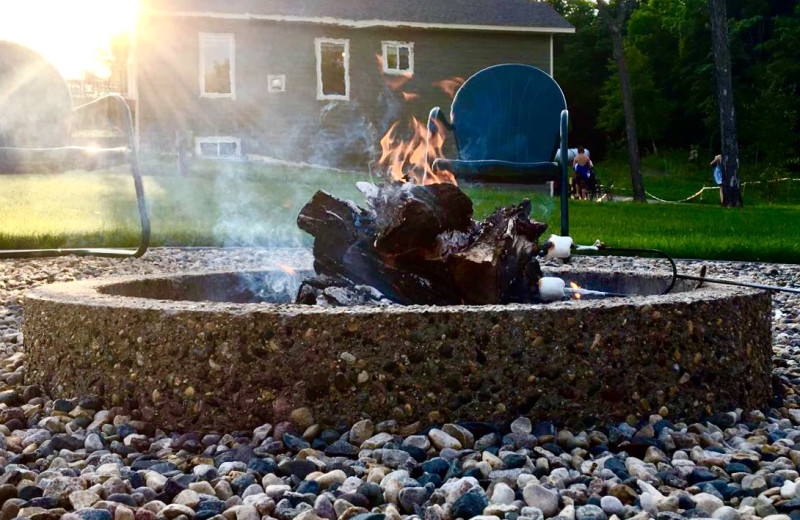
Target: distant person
{"x": 583, "y": 172}
{"x": 183, "y": 142}
{"x": 717, "y": 164}
{"x": 571, "y": 153}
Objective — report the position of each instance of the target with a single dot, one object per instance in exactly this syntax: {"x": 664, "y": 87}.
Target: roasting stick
{"x": 561, "y": 247}
{"x": 552, "y": 288}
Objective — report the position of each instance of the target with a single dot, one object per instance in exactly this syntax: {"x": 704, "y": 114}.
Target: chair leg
{"x": 144, "y": 220}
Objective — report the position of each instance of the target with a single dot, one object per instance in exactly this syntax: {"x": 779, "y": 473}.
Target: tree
{"x": 615, "y": 26}
{"x": 720, "y": 44}
{"x": 652, "y": 118}
{"x": 580, "y": 69}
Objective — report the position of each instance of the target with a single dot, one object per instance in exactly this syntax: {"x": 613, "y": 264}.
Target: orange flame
{"x": 393, "y": 82}
{"x": 575, "y": 295}
{"x": 396, "y": 82}
{"x": 412, "y": 160}
{"x": 286, "y": 269}
{"x": 450, "y": 85}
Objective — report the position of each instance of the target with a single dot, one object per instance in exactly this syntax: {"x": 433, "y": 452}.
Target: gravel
{"x": 67, "y": 458}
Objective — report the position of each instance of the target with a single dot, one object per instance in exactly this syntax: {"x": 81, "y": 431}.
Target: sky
{"x": 71, "y": 34}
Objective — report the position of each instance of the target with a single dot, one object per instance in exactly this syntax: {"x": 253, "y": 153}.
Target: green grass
{"x": 227, "y": 204}
{"x": 670, "y": 176}
{"x": 768, "y": 234}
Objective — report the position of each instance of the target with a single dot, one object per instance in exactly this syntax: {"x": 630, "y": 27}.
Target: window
{"x": 398, "y": 58}
{"x": 218, "y": 146}
{"x": 217, "y": 65}
{"x": 333, "y": 68}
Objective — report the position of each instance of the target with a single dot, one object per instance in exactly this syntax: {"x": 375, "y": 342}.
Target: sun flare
{"x": 74, "y": 35}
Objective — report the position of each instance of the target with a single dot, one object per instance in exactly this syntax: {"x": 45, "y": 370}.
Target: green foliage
{"x": 668, "y": 48}
{"x": 768, "y": 122}
{"x": 652, "y": 109}
{"x": 580, "y": 67}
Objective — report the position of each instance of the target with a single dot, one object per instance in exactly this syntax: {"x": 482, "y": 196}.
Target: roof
{"x": 492, "y": 15}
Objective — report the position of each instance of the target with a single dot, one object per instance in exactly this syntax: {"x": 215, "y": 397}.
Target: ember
{"x": 576, "y": 293}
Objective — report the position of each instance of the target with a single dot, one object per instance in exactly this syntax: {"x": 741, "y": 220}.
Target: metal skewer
{"x": 561, "y": 247}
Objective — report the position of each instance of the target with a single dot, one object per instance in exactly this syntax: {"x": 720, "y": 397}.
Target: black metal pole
{"x": 792, "y": 290}
{"x": 564, "y": 187}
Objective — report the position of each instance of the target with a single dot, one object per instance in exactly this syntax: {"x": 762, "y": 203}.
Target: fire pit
{"x": 216, "y": 351}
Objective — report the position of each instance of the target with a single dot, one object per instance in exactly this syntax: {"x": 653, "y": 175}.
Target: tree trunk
{"x": 731, "y": 189}
{"x": 615, "y": 27}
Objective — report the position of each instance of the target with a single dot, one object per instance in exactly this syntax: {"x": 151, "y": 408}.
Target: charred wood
{"x": 419, "y": 245}
{"x": 500, "y": 265}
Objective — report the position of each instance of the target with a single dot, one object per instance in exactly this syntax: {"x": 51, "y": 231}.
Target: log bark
{"x": 731, "y": 189}
{"x": 419, "y": 245}
{"x": 500, "y": 265}
{"x": 615, "y": 26}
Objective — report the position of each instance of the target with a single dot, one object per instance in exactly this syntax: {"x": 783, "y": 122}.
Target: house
{"x": 317, "y": 81}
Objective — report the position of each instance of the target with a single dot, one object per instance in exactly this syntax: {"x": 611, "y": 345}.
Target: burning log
{"x": 346, "y": 246}
{"x": 499, "y": 266}
{"x": 419, "y": 245}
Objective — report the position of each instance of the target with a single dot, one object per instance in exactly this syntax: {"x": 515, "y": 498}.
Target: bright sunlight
{"x": 73, "y": 35}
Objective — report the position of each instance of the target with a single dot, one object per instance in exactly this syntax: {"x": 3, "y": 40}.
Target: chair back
{"x": 35, "y": 102}
{"x": 508, "y": 112}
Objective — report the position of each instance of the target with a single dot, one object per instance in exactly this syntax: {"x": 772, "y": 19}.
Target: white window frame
{"x": 231, "y": 40}
{"x": 217, "y": 139}
{"x": 398, "y": 72}
{"x": 318, "y": 51}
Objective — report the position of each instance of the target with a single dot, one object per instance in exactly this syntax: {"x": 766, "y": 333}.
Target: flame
{"x": 450, "y": 85}
{"x": 286, "y": 269}
{"x": 412, "y": 160}
{"x": 396, "y": 82}
{"x": 393, "y": 82}
{"x": 575, "y": 295}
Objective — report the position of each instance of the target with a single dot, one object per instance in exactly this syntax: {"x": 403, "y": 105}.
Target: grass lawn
{"x": 223, "y": 203}
{"x": 670, "y": 176}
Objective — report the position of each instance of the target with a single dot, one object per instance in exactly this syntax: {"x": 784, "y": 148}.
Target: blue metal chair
{"x": 36, "y": 122}
{"x": 508, "y": 121}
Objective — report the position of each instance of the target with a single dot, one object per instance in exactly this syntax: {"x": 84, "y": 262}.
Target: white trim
{"x": 361, "y": 24}
{"x": 346, "y": 54}
{"x": 551, "y": 55}
{"x": 231, "y": 40}
{"x": 398, "y": 72}
{"x": 217, "y": 139}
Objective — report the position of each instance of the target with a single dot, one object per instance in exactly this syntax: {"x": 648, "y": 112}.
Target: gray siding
{"x": 294, "y": 125}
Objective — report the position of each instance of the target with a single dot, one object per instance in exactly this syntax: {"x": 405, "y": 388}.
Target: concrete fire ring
{"x": 175, "y": 351}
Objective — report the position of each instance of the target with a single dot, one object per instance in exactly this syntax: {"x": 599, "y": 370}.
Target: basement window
{"x": 398, "y": 58}
{"x": 218, "y": 147}
{"x": 217, "y": 65}
{"x": 333, "y": 68}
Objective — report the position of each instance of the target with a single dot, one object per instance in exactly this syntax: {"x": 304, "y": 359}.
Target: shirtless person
{"x": 583, "y": 166}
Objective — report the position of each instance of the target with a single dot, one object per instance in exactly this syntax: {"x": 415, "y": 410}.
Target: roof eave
{"x": 361, "y": 24}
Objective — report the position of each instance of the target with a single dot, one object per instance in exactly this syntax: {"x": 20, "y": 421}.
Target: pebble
{"x": 542, "y": 498}
{"x": 101, "y": 463}
{"x": 442, "y": 440}
{"x": 361, "y": 431}
{"x": 611, "y": 505}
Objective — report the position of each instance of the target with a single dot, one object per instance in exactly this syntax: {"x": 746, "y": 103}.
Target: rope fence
{"x": 699, "y": 192}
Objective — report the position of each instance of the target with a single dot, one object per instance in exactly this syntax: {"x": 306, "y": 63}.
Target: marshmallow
{"x": 559, "y": 247}
{"x": 551, "y": 288}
